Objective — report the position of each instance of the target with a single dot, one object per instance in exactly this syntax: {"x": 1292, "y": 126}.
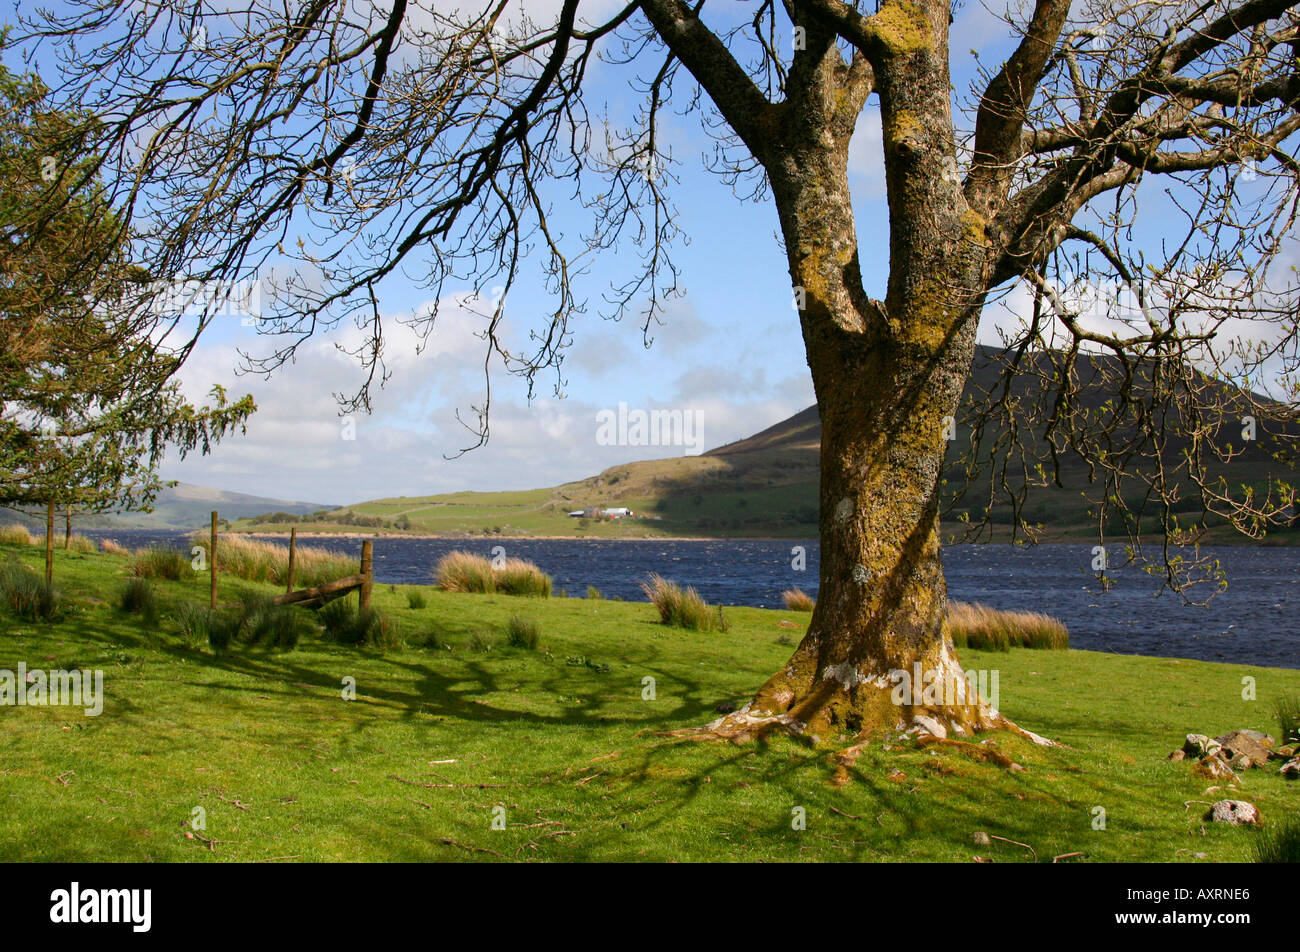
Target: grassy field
{"x": 452, "y": 732}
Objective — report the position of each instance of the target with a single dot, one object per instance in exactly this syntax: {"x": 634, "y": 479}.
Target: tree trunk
{"x": 888, "y": 376}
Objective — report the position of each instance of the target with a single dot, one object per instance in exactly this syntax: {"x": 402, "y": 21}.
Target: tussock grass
{"x": 415, "y": 600}
{"x": 523, "y": 632}
{"x": 193, "y": 622}
{"x": 16, "y": 535}
{"x": 682, "y": 607}
{"x": 465, "y": 572}
{"x": 160, "y": 562}
{"x": 80, "y": 544}
{"x": 346, "y": 625}
{"x": 20, "y": 535}
{"x": 262, "y": 622}
{"x": 138, "y": 597}
{"x": 25, "y": 595}
{"x": 987, "y": 629}
{"x": 113, "y": 547}
{"x": 594, "y": 593}
{"x": 1287, "y": 710}
{"x": 1279, "y": 843}
{"x": 797, "y": 600}
{"x": 256, "y": 560}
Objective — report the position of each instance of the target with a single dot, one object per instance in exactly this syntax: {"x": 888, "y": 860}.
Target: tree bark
{"x": 888, "y": 375}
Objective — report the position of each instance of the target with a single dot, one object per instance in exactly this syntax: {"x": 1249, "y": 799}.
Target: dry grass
{"x": 797, "y": 600}
{"x": 257, "y": 560}
{"x": 16, "y": 535}
{"x": 981, "y": 627}
{"x": 682, "y": 607}
{"x": 160, "y": 562}
{"x": 113, "y": 547}
{"x": 80, "y": 544}
{"x": 465, "y": 572}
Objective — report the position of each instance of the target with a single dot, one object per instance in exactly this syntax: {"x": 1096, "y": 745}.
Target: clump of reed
{"x": 16, "y": 535}
{"x": 523, "y": 633}
{"x": 984, "y": 628}
{"x": 256, "y": 560}
{"x": 797, "y": 600}
{"x": 345, "y": 624}
{"x": 465, "y": 572}
{"x": 24, "y": 594}
{"x": 682, "y": 607}
{"x": 160, "y": 562}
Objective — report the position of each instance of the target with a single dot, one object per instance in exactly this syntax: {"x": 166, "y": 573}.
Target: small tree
{"x": 88, "y": 395}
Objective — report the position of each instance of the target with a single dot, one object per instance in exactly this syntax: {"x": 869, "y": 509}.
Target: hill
{"x": 183, "y": 506}
{"x": 761, "y": 486}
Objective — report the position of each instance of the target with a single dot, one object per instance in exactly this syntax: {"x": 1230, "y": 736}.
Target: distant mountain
{"x": 764, "y": 485}
{"x": 183, "y": 506}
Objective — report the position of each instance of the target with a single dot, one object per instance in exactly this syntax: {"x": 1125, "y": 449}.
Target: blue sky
{"x": 729, "y": 351}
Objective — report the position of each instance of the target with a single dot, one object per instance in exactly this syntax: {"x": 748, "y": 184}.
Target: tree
{"x": 421, "y": 139}
{"x": 88, "y": 395}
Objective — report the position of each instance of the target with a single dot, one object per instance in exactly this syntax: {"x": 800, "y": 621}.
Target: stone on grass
{"x": 1214, "y": 767}
{"x": 1252, "y": 746}
{"x": 1236, "y": 812}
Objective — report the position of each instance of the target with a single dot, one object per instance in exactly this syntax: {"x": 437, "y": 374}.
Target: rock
{"x": 1178, "y": 755}
{"x": 1291, "y": 769}
{"x": 1257, "y": 736}
{"x": 1251, "y": 745}
{"x": 725, "y": 707}
{"x": 930, "y": 726}
{"x": 1236, "y": 812}
{"x": 1214, "y": 767}
{"x": 1194, "y": 745}
{"x": 896, "y": 775}
{"x": 981, "y": 838}
{"x": 1286, "y": 752}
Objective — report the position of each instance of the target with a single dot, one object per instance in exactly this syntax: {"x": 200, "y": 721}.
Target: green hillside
{"x": 762, "y": 486}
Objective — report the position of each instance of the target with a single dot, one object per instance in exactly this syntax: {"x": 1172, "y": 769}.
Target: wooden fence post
{"x": 212, "y": 562}
{"x": 49, "y": 543}
{"x": 293, "y": 542}
{"x": 367, "y": 570}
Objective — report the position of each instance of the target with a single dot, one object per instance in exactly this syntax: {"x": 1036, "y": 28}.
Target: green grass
{"x": 562, "y": 737}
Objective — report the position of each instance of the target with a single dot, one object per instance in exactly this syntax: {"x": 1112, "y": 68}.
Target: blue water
{"x": 1252, "y": 622}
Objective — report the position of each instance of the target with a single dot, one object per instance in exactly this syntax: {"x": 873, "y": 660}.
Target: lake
{"x": 1252, "y": 622}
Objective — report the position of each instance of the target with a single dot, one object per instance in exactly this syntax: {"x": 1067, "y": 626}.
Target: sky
{"x": 729, "y": 353}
